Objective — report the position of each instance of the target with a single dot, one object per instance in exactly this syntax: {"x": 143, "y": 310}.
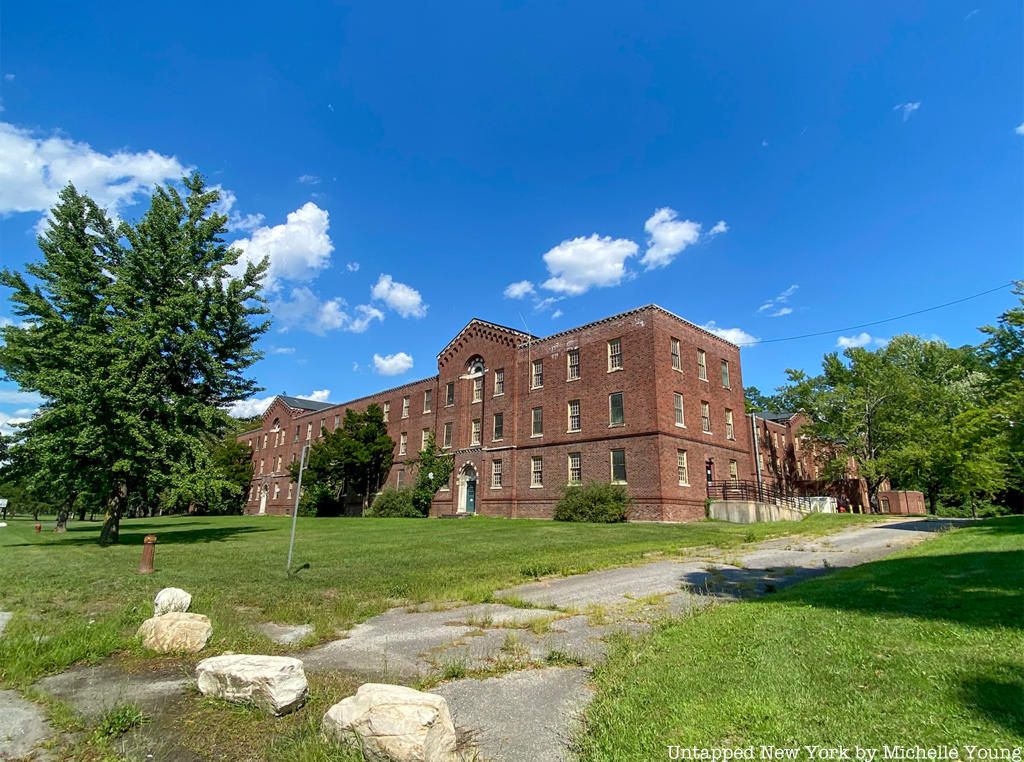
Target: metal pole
{"x": 295, "y": 512}
{"x": 757, "y": 458}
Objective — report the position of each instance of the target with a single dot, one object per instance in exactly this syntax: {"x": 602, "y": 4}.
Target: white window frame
{"x": 387, "y": 410}
{"x": 679, "y": 410}
{"x": 446, "y": 436}
{"x": 405, "y": 406}
{"x": 536, "y": 472}
{"x": 423, "y": 439}
{"x": 403, "y": 443}
{"x": 734, "y": 471}
{"x": 570, "y": 416}
{"x": 534, "y": 432}
{"x": 726, "y": 375}
{"x": 611, "y": 423}
{"x": 705, "y": 417}
{"x": 611, "y": 466}
{"x": 682, "y": 468}
{"x": 578, "y": 467}
{"x": 612, "y": 355}
{"x": 677, "y": 354}
{"x": 449, "y": 399}
{"x": 570, "y": 366}
{"x": 496, "y": 474}
{"x": 428, "y": 400}
{"x": 537, "y": 374}
{"x": 478, "y": 389}
{"x": 494, "y": 427}
{"x": 475, "y": 433}
{"x": 702, "y": 365}
{"x": 730, "y": 427}
{"x": 499, "y": 382}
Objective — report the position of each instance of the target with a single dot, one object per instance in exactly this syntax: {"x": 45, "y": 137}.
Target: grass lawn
{"x": 925, "y": 647}
{"x": 75, "y": 601}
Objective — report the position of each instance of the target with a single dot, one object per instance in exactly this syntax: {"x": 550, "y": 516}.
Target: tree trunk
{"x": 111, "y": 531}
{"x": 81, "y": 513}
{"x": 933, "y": 500}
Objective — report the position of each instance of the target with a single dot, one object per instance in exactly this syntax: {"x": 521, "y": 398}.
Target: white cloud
{"x": 735, "y": 335}
{"x": 519, "y": 290}
{"x": 392, "y": 365}
{"x": 9, "y": 77}
{"x": 907, "y": 109}
{"x": 857, "y": 340}
{"x": 774, "y": 307}
{"x": 1019, "y": 129}
{"x": 282, "y": 350}
{"x": 403, "y": 299}
{"x": 309, "y": 179}
{"x": 580, "y": 264}
{"x": 33, "y": 170}
{"x": 352, "y": 267}
{"x": 556, "y": 314}
{"x": 298, "y": 249}
{"x": 18, "y": 397}
{"x": 236, "y": 221}
{"x": 668, "y": 236}
{"x": 258, "y": 405}
{"x": 8, "y": 422}
{"x": 304, "y": 309}
{"x": 719, "y": 228}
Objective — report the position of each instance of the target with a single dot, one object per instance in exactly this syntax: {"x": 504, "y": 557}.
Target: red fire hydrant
{"x": 148, "y": 551}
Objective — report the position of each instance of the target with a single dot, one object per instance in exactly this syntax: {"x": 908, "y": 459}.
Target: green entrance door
{"x": 471, "y": 496}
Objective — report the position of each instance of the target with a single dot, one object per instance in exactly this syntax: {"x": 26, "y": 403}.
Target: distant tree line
{"x": 948, "y": 421}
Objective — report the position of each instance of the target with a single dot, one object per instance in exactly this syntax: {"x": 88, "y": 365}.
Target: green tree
{"x": 135, "y": 337}
{"x": 433, "y": 469}
{"x": 353, "y": 459}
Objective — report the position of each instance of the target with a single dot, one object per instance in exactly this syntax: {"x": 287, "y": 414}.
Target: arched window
{"x": 475, "y": 365}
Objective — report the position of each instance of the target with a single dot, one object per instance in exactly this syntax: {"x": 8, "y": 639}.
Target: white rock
{"x": 176, "y": 632}
{"x": 395, "y": 723}
{"x": 274, "y": 683}
{"x": 171, "y": 599}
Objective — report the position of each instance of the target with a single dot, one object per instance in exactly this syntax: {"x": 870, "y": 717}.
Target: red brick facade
{"x": 491, "y": 371}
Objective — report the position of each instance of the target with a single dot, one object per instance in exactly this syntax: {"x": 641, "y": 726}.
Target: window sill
{"x": 476, "y": 402}
{"x": 536, "y": 436}
{"x": 619, "y": 482}
{"x": 573, "y": 431}
{"x": 474, "y": 444}
{"x": 615, "y": 370}
{"x": 616, "y": 425}
{"x": 678, "y": 370}
{"x": 572, "y": 379}
{"x": 536, "y": 486}
{"x": 680, "y": 425}
{"x": 681, "y": 484}
{"x": 498, "y": 394}
{"x": 535, "y": 388}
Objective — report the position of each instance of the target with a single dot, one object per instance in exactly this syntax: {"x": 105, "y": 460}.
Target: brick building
{"x": 643, "y": 398}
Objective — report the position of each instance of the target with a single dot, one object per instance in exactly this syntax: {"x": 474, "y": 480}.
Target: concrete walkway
{"x": 516, "y": 677}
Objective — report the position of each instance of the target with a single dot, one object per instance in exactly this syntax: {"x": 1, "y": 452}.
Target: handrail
{"x": 737, "y": 489}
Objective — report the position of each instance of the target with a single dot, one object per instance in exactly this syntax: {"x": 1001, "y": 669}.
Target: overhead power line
{"x": 877, "y": 322}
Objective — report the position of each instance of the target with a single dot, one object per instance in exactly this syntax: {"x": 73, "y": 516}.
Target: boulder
{"x": 276, "y": 684}
{"x": 171, "y": 599}
{"x": 176, "y": 632}
{"x": 395, "y": 723}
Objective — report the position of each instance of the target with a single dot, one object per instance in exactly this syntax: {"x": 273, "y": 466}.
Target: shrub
{"x": 596, "y": 502}
{"x": 394, "y": 503}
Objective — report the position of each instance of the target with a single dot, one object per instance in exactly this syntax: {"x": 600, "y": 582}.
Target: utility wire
{"x": 877, "y": 322}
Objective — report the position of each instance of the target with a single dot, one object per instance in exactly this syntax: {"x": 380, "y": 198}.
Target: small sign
{"x": 3, "y": 502}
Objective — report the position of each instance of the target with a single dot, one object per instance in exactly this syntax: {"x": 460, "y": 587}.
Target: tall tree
{"x": 354, "y": 458}
{"x": 433, "y": 469}
{"x": 135, "y": 337}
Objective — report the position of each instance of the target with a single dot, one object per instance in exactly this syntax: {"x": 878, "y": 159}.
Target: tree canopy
{"x": 136, "y": 335}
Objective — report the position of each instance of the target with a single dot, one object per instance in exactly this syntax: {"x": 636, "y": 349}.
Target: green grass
{"x": 75, "y": 601}
{"x": 925, "y": 647}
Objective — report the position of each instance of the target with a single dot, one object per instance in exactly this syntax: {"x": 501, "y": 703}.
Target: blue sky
{"x": 776, "y": 169}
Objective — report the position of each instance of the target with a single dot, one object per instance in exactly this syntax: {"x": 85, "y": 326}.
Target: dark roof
{"x": 300, "y": 404}
{"x": 775, "y": 416}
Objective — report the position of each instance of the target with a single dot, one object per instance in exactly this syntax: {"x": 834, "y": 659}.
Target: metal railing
{"x": 735, "y": 489}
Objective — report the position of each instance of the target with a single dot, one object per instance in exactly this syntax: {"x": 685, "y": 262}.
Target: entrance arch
{"x": 467, "y": 489}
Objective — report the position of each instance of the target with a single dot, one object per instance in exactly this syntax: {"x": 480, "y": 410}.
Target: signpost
{"x": 295, "y": 512}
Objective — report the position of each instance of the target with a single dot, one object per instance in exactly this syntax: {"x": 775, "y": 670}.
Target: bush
{"x": 394, "y": 503}
{"x": 596, "y": 502}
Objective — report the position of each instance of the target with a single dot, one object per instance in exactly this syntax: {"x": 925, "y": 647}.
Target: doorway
{"x": 467, "y": 489}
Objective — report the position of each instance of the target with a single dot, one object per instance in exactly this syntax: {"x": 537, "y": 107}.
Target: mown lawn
{"x": 75, "y": 601}
{"x": 925, "y": 647}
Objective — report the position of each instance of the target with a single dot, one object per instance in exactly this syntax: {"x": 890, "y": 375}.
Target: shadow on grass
{"x": 134, "y": 535}
{"x": 974, "y": 588}
{"x": 998, "y": 699}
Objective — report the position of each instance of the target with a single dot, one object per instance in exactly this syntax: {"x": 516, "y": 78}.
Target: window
{"x": 614, "y": 355}
{"x": 446, "y": 437}
{"x": 309, "y": 432}
{"x": 616, "y": 414}
{"x": 403, "y": 443}
{"x": 682, "y": 468}
{"x": 400, "y": 478}
{"x": 677, "y": 405}
{"x": 677, "y": 360}
{"x": 387, "y": 411}
{"x": 730, "y": 432}
{"x": 428, "y": 400}
{"x": 536, "y": 472}
{"x": 405, "y": 406}
{"x": 423, "y": 439}
{"x": 265, "y": 440}
{"x": 337, "y": 420}
{"x": 705, "y": 417}
{"x": 572, "y": 359}
{"x": 702, "y": 365}
{"x": 323, "y": 427}
{"x": 278, "y": 469}
{"x": 449, "y": 394}
{"x": 618, "y": 466}
{"x": 575, "y": 468}
{"x": 574, "y": 415}
{"x": 538, "y": 422}
{"x": 474, "y": 437}
{"x": 733, "y": 470}
{"x": 478, "y": 388}
{"x": 725, "y": 373}
{"x": 499, "y": 426}
{"x": 277, "y": 490}
{"x": 290, "y": 486}
{"x": 499, "y": 382}
{"x": 261, "y": 465}
{"x": 537, "y": 379}
{"x": 496, "y": 474}
{"x": 297, "y": 430}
